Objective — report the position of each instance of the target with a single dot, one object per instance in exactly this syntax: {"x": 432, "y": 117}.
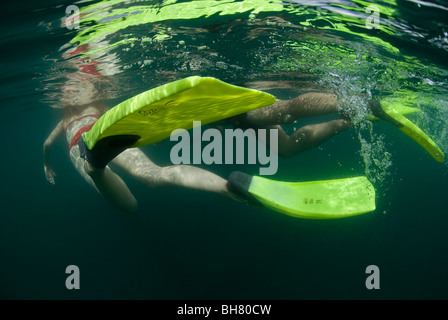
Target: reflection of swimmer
{"x": 80, "y": 119}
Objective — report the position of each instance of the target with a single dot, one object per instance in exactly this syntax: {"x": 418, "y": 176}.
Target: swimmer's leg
{"x": 112, "y": 187}
{"x": 106, "y": 149}
{"x": 104, "y": 181}
{"x": 308, "y": 136}
{"x": 286, "y": 111}
{"x": 138, "y": 165}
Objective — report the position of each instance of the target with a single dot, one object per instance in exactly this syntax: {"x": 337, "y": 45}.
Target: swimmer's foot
{"x": 239, "y": 183}
{"x": 106, "y": 149}
{"x": 377, "y": 110}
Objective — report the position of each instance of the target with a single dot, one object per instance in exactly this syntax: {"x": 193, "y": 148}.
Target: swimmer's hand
{"x": 49, "y": 174}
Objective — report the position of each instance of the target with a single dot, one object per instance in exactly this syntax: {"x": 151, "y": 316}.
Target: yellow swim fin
{"x": 400, "y": 108}
{"x": 327, "y": 199}
{"x": 151, "y": 116}
{"x": 391, "y": 113}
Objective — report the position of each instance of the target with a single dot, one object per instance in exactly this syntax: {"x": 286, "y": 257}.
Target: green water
{"x": 184, "y": 244}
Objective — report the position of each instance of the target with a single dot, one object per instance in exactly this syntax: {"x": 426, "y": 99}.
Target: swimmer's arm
{"x": 56, "y": 133}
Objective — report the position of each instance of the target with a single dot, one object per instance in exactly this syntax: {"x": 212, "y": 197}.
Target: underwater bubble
{"x": 376, "y": 159}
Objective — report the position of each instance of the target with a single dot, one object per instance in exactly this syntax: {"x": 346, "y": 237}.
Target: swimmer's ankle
{"x": 344, "y": 124}
{"x": 377, "y": 110}
{"x": 238, "y": 184}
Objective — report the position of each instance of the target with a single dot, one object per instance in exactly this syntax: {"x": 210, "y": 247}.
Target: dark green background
{"x": 184, "y": 244}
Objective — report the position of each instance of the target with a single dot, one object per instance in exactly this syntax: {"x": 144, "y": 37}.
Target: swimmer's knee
{"x": 155, "y": 179}
{"x": 301, "y": 141}
{"x": 306, "y": 132}
{"x": 154, "y": 183}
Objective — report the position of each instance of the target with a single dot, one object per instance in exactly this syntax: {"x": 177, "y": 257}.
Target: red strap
{"x": 78, "y": 135}
{"x": 77, "y": 119}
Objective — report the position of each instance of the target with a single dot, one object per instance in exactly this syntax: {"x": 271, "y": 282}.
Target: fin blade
{"x": 155, "y": 113}
{"x": 417, "y": 134}
{"x": 400, "y": 108}
{"x": 328, "y": 199}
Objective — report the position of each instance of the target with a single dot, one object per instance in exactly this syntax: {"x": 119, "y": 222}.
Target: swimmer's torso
{"x": 80, "y": 122}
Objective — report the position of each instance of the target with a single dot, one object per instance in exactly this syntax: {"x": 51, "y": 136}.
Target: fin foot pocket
{"x": 390, "y": 114}
{"x": 106, "y": 149}
{"x": 239, "y": 183}
{"x": 378, "y": 111}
